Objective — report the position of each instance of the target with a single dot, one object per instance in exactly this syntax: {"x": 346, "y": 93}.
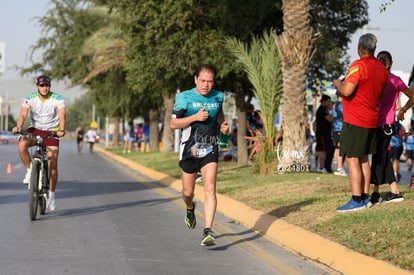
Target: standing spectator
{"x": 381, "y": 167}
{"x": 91, "y": 136}
{"x": 250, "y": 127}
{"x": 79, "y": 133}
{"x": 396, "y": 145}
{"x": 324, "y": 145}
{"x": 146, "y": 135}
{"x": 338, "y": 119}
{"x": 411, "y": 84}
{"x": 259, "y": 122}
{"x": 139, "y": 136}
{"x": 364, "y": 83}
{"x": 199, "y": 113}
{"x": 129, "y": 138}
{"x": 233, "y": 134}
{"x": 409, "y": 150}
{"x": 250, "y": 121}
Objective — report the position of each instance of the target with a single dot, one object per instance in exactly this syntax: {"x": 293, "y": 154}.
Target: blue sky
{"x": 18, "y": 30}
{"x": 393, "y": 29}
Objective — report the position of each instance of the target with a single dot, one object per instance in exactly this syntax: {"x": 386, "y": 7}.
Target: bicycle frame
{"x": 39, "y": 181}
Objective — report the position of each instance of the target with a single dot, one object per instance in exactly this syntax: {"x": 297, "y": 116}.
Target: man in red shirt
{"x": 364, "y": 83}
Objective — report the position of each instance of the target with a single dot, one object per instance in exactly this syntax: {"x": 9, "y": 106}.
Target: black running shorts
{"x": 191, "y": 166}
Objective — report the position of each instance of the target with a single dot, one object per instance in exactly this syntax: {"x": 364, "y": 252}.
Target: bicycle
{"x": 39, "y": 180}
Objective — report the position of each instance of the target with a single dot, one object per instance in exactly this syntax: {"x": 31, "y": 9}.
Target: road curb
{"x": 288, "y": 236}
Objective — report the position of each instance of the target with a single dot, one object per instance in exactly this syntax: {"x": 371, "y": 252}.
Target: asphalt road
{"x": 113, "y": 220}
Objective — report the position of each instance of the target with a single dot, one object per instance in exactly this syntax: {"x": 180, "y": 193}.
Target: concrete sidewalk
{"x": 291, "y": 237}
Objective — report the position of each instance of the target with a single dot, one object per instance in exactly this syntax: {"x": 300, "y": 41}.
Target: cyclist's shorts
{"x": 48, "y": 141}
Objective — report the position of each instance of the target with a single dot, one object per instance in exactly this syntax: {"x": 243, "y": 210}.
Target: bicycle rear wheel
{"x": 33, "y": 189}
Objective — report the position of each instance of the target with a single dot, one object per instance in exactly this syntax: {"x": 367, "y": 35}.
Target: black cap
{"x": 43, "y": 79}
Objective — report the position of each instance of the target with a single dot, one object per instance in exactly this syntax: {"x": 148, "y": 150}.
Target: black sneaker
{"x": 190, "y": 218}
{"x": 208, "y": 237}
{"x": 375, "y": 198}
{"x": 391, "y": 197}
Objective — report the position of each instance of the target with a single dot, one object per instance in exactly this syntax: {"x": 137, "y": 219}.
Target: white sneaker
{"x": 52, "y": 201}
{"x": 341, "y": 172}
{"x": 26, "y": 179}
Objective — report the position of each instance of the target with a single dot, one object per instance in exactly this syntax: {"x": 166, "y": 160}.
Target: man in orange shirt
{"x": 364, "y": 84}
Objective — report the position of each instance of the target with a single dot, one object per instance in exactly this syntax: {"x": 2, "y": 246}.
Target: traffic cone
{"x": 9, "y": 168}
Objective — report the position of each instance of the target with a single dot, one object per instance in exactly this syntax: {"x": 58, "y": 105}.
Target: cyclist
{"x": 47, "y": 112}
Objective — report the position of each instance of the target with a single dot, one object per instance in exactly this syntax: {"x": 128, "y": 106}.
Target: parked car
{"x": 8, "y": 137}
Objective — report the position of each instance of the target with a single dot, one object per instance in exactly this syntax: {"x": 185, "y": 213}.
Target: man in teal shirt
{"x": 198, "y": 112}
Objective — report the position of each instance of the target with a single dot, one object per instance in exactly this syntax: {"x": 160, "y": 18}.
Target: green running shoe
{"x": 208, "y": 238}
{"x": 190, "y": 218}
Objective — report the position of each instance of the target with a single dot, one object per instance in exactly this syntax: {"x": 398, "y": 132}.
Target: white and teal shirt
{"x": 44, "y": 113}
{"x": 200, "y": 138}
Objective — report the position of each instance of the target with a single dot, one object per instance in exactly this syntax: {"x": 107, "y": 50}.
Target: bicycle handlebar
{"x": 21, "y": 134}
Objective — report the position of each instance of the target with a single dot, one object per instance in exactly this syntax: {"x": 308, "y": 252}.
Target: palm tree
{"x": 261, "y": 62}
{"x": 106, "y": 50}
{"x": 296, "y": 49}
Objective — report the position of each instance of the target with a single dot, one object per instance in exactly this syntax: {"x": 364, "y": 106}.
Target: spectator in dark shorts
{"x": 324, "y": 143}
{"x": 79, "y": 132}
{"x": 396, "y": 149}
{"x": 199, "y": 113}
{"x": 409, "y": 150}
{"x": 411, "y": 87}
{"x": 364, "y": 83}
{"x": 337, "y": 114}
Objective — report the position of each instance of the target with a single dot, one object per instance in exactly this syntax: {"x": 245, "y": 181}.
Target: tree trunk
{"x": 115, "y": 136}
{"x": 154, "y": 130}
{"x": 242, "y": 155}
{"x": 296, "y": 49}
{"x": 168, "y": 133}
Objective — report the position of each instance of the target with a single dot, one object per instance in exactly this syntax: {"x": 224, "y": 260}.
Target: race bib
{"x": 200, "y": 150}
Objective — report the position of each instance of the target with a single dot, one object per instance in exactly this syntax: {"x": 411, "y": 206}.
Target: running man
{"x": 199, "y": 113}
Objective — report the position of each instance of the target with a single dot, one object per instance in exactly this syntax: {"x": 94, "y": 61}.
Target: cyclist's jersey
{"x": 44, "y": 113}
{"x": 200, "y": 138}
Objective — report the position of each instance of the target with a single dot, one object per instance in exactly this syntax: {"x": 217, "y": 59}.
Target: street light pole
{"x": 1, "y": 113}
{"x": 7, "y": 112}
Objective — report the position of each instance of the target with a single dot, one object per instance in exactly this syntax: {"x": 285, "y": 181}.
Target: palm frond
{"x": 262, "y": 64}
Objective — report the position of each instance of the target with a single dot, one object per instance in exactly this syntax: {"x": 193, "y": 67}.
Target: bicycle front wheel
{"x": 34, "y": 189}
{"x": 45, "y": 189}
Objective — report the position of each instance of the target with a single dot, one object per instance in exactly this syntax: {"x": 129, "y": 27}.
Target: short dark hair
{"x": 387, "y": 53}
{"x": 207, "y": 67}
{"x": 325, "y": 98}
